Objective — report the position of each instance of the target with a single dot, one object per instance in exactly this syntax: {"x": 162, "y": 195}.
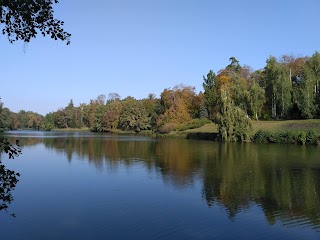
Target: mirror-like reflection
{"x": 284, "y": 180}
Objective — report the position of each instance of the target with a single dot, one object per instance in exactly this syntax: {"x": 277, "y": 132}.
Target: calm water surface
{"x": 103, "y": 186}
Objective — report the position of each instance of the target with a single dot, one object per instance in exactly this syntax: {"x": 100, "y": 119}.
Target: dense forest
{"x": 286, "y": 88}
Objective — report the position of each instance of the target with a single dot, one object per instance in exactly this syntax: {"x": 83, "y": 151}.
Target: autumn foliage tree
{"x": 180, "y": 105}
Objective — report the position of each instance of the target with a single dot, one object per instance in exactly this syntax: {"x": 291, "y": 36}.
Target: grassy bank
{"x": 289, "y": 132}
{"x": 272, "y": 126}
{"x": 289, "y": 125}
{"x": 85, "y": 129}
{"x": 208, "y": 131}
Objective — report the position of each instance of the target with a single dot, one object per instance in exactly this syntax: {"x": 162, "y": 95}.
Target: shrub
{"x": 312, "y": 137}
{"x": 261, "y": 136}
{"x": 288, "y": 137}
{"x": 266, "y": 117}
{"x": 167, "y": 128}
{"x": 194, "y": 123}
{"x": 234, "y": 125}
{"x": 301, "y": 137}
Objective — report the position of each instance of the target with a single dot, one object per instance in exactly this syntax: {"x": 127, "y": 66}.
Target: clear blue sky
{"x": 143, "y": 46}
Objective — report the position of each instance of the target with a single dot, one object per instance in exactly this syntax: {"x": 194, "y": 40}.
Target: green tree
{"x": 210, "y": 95}
{"x": 23, "y": 20}
{"x": 234, "y": 124}
{"x": 6, "y": 122}
{"x": 134, "y": 117}
{"x": 98, "y": 124}
{"x": 231, "y": 89}
{"x": 48, "y": 122}
{"x": 239, "y": 90}
{"x": 307, "y": 94}
{"x": 296, "y": 68}
{"x": 234, "y": 65}
{"x": 314, "y": 65}
{"x": 235, "y": 78}
{"x": 2, "y": 124}
{"x": 279, "y": 87}
{"x": 112, "y": 115}
{"x": 72, "y": 115}
{"x": 151, "y": 96}
{"x": 257, "y": 99}
{"x": 113, "y": 97}
{"x": 203, "y": 112}
{"x": 312, "y": 77}
{"x": 153, "y": 108}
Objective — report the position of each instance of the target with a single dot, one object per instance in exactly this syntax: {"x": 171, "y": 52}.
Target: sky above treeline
{"x": 134, "y": 48}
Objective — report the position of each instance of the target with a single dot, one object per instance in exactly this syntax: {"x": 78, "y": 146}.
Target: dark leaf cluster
{"x": 24, "y": 19}
{"x": 12, "y": 150}
{"x": 8, "y": 178}
{"x": 8, "y": 181}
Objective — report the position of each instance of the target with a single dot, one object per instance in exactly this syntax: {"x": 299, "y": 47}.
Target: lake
{"x": 109, "y": 186}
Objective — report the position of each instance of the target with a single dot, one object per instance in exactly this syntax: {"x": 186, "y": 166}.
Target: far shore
{"x": 210, "y": 131}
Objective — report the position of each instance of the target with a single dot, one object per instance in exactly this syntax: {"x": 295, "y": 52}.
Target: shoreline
{"x": 298, "y": 132}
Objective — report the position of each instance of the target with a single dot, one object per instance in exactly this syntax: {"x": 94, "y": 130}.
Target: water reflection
{"x": 283, "y": 179}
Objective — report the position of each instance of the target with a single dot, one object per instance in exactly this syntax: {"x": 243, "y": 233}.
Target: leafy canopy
{"x": 24, "y": 19}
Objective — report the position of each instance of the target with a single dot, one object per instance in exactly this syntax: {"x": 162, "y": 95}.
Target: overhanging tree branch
{"x": 24, "y": 19}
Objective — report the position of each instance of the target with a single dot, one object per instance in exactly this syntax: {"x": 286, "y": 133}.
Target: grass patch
{"x": 206, "y": 132}
{"x": 272, "y": 126}
{"x": 290, "y": 132}
{"x": 206, "y": 128}
{"x": 289, "y": 125}
{"x": 193, "y": 124}
{"x": 85, "y": 129}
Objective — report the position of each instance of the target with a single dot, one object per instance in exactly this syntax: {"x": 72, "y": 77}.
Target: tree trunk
{"x": 274, "y": 106}
{"x": 282, "y": 112}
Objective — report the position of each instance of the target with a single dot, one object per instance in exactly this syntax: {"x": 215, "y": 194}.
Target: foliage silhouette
{"x": 8, "y": 178}
{"x": 23, "y": 20}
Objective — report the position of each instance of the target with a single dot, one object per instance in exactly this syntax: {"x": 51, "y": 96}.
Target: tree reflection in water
{"x": 284, "y": 180}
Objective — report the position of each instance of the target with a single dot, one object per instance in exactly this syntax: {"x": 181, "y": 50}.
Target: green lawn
{"x": 84, "y": 129}
{"x": 289, "y": 125}
{"x": 207, "y": 128}
{"x": 273, "y": 126}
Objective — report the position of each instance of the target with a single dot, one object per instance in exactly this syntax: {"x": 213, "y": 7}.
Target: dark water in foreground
{"x": 100, "y": 186}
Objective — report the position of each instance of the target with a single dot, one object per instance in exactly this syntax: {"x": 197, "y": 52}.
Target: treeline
{"x": 286, "y": 88}
{"x": 21, "y": 120}
{"x": 177, "y": 107}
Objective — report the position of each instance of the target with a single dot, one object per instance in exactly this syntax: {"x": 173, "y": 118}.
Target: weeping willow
{"x": 234, "y": 124}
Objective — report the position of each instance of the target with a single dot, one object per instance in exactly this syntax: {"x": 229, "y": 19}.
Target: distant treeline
{"x": 286, "y": 88}
{"x": 21, "y": 120}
